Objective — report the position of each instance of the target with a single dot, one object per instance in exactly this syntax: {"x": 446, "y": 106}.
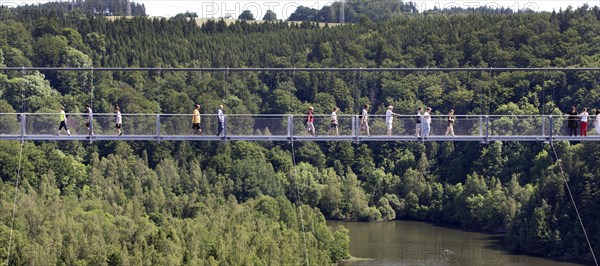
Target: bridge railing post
{"x": 224, "y": 126}
{"x": 551, "y": 127}
{"x": 487, "y": 129}
{"x": 481, "y": 126}
{"x": 543, "y": 126}
{"x": 158, "y": 126}
{"x": 23, "y": 126}
{"x": 290, "y": 129}
{"x": 353, "y": 126}
{"x": 356, "y": 127}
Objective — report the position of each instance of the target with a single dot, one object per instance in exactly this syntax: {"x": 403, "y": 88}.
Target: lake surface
{"x": 418, "y": 243}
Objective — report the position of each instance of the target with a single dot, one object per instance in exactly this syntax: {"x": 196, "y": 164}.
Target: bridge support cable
{"x": 308, "y": 69}
{"x": 300, "y": 203}
{"x": 574, "y": 204}
{"x": 91, "y": 131}
{"x": 14, "y": 209}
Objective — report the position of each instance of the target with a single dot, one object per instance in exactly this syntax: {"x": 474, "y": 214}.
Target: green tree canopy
{"x": 270, "y": 16}
{"x": 246, "y": 15}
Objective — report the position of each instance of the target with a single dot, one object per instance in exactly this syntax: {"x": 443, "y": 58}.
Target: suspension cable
{"x": 92, "y": 88}
{"x": 23, "y": 73}
{"x": 91, "y": 118}
{"x": 300, "y": 205}
{"x": 307, "y": 69}
{"x": 229, "y": 87}
{"x": 574, "y": 205}
{"x": 355, "y": 86}
{"x": 12, "y": 221}
{"x": 358, "y": 92}
{"x": 489, "y": 95}
{"x": 543, "y": 107}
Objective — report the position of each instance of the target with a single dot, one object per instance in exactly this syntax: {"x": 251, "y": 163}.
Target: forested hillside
{"x": 240, "y": 202}
{"x": 354, "y": 10}
{"x": 83, "y": 7}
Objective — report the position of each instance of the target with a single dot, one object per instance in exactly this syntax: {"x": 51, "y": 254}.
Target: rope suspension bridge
{"x": 286, "y": 127}
{"x": 173, "y": 127}
{"x": 267, "y": 127}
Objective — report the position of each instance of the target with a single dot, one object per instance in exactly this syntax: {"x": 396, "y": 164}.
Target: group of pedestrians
{"x": 196, "y": 120}
{"x": 89, "y": 118}
{"x": 422, "y": 121}
{"x": 580, "y": 120}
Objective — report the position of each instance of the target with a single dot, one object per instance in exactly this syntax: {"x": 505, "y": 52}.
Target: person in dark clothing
{"x": 418, "y": 118}
{"x": 572, "y": 121}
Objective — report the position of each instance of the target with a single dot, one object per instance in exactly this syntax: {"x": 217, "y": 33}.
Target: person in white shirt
{"x": 221, "y": 120}
{"x": 389, "y": 119}
{"x": 364, "y": 120}
{"x": 119, "y": 121}
{"x": 584, "y": 122}
{"x": 334, "y": 122}
{"x": 427, "y": 122}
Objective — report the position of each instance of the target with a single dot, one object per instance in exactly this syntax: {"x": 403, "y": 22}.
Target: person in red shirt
{"x": 310, "y": 119}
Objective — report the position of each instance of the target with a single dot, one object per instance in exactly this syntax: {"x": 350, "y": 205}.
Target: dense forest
{"x": 84, "y": 7}
{"x": 249, "y": 202}
{"x": 354, "y": 10}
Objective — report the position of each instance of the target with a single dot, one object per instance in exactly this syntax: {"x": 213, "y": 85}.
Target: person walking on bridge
{"x": 310, "y": 121}
{"x": 196, "y": 120}
{"x": 389, "y": 119}
{"x": 220, "y": 120}
{"x": 89, "y": 120}
{"x": 572, "y": 121}
{"x": 118, "y": 122}
{"x": 418, "y": 121}
{"x": 451, "y": 119}
{"x": 334, "y": 122}
{"x": 364, "y": 120}
{"x": 584, "y": 122}
{"x": 63, "y": 122}
{"x": 427, "y": 122}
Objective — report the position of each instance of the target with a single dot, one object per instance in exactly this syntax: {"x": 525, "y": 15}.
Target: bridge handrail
{"x": 285, "y": 115}
{"x": 153, "y": 126}
{"x": 484, "y": 127}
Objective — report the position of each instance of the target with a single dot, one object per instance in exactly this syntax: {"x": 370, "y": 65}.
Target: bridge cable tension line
{"x": 289, "y": 69}
{"x": 12, "y": 221}
{"x": 574, "y": 204}
{"x": 14, "y": 209}
{"x": 291, "y": 142}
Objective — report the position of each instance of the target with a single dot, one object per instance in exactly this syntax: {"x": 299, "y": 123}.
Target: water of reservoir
{"x": 418, "y": 243}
